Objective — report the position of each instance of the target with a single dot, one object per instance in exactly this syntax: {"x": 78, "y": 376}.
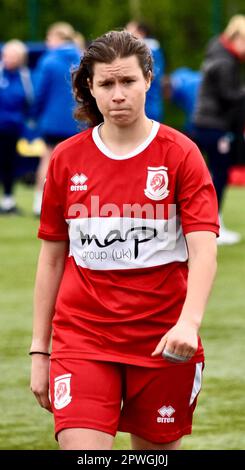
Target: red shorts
{"x": 154, "y": 404}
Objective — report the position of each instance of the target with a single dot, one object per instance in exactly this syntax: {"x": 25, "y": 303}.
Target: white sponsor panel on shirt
{"x": 106, "y": 243}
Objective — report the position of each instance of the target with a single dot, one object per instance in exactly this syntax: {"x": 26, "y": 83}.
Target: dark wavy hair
{"x": 105, "y": 49}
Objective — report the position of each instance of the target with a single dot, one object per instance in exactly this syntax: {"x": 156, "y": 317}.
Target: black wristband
{"x": 39, "y": 352}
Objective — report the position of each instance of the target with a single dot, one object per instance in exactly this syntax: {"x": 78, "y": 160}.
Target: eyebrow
{"x": 123, "y": 77}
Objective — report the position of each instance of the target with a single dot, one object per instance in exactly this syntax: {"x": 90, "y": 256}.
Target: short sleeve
{"x": 53, "y": 225}
{"x": 197, "y": 201}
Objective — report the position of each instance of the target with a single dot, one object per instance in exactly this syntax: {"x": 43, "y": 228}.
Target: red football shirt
{"x": 125, "y": 217}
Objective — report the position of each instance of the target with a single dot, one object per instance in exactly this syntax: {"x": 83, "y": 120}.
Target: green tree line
{"x": 183, "y": 27}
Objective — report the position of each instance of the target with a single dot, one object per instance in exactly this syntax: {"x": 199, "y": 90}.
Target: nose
{"x": 118, "y": 95}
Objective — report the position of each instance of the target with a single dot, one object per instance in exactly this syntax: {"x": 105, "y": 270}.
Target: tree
{"x": 183, "y": 28}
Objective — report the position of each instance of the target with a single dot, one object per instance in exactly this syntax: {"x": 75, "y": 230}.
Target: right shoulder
{"x": 66, "y": 148}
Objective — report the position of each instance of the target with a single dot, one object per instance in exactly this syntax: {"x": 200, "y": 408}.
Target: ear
{"x": 148, "y": 81}
{"x": 90, "y": 86}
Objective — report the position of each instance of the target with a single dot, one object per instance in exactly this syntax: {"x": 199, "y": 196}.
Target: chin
{"x": 122, "y": 122}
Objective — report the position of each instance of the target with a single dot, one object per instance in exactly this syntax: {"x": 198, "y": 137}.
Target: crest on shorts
{"x": 157, "y": 183}
{"x": 62, "y": 391}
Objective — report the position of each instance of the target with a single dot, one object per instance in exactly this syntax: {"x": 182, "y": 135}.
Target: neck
{"x": 123, "y": 139}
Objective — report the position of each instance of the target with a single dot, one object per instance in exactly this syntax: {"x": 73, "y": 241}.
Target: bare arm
{"x": 49, "y": 273}
{"x": 182, "y": 339}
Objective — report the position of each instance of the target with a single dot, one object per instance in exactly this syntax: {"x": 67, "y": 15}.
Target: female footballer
{"x": 128, "y": 259}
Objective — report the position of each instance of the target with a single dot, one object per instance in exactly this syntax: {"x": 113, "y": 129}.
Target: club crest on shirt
{"x": 62, "y": 391}
{"x": 157, "y": 183}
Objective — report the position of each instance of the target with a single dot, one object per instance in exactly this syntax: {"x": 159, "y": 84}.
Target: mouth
{"x": 120, "y": 110}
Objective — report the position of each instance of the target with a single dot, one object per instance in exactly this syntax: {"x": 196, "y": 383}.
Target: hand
{"x": 40, "y": 380}
{"x": 181, "y": 340}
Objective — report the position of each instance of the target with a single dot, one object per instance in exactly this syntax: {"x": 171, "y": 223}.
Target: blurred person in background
{"x": 80, "y": 41}
{"x": 16, "y": 97}
{"x": 154, "y": 99}
{"x": 219, "y": 114}
{"x": 181, "y": 88}
{"x": 54, "y": 99}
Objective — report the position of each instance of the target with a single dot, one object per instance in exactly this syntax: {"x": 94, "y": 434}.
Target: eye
{"x": 128, "y": 81}
{"x": 107, "y": 84}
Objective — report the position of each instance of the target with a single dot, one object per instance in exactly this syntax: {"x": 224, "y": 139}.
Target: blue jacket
{"x": 185, "y": 85}
{"x": 154, "y": 97}
{"x": 53, "y": 90}
{"x": 13, "y": 101}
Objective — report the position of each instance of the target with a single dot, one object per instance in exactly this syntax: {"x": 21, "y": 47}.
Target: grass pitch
{"x": 219, "y": 420}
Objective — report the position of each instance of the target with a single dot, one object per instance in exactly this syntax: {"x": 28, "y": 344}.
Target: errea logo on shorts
{"x": 79, "y": 181}
{"x": 166, "y": 413}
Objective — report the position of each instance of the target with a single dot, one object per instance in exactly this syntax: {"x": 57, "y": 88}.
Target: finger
{"x": 183, "y": 348}
{"x": 173, "y": 357}
{"x": 47, "y": 404}
{"x": 160, "y": 347}
{"x": 48, "y": 407}
{"x": 188, "y": 353}
{"x": 44, "y": 401}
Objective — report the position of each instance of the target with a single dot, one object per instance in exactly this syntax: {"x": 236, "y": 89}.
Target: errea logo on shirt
{"x": 79, "y": 181}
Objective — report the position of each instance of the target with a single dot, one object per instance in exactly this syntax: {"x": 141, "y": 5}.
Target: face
{"x": 12, "y": 58}
{"x": 119, "y": 89}
{"x": 132, "y": 28}
{"x": 53, "y": 40}
{"x": 239, "y": 44}
{"x": 242, "y": 47}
